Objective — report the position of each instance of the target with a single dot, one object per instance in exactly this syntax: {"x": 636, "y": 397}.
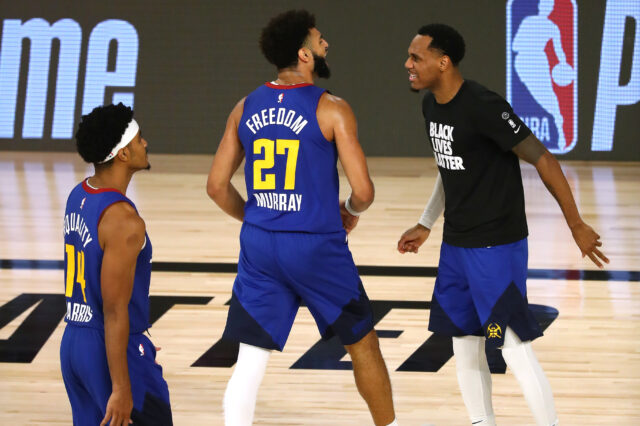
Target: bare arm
{"x": 336, "y": 114}
{"x": 121, "y": 234}
{"x": 228, "y": 158}
{"x": 533, "y": 151}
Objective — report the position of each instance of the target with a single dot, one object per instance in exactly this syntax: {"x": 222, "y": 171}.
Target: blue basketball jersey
{"x": 290, "y": 167}
{"x": 83, "y": 261}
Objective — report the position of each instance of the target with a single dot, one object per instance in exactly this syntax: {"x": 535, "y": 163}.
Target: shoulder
{"x": 331, "y": 101}
{"x": 236, "y": 114}
{"x": 238, "y": 108}
{"x": 334, "y": 114}
{"x": 482, "y": 93}
{"x": 76, "y": 193}
{"x": 482, "y": 102}
{"x": 121, "y": 218}
{"x": 333, "y": 106}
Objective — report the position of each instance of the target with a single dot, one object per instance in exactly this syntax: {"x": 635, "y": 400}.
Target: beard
{"x": 321, "y": 68}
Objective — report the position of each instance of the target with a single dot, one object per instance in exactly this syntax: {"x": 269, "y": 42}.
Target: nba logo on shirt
{"x": 542, "y": 69}
{"x": 280, "y": 98}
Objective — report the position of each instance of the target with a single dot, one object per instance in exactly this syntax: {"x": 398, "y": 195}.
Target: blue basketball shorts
{"x": 86, "y": 377}
{"x": 482, "y": 291}
{"x": 278, "y": 271}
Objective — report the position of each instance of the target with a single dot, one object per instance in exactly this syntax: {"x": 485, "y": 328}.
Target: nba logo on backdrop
{"x": 542, "y": 69}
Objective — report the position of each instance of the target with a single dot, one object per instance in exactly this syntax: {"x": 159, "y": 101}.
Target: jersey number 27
{"x": 270, "y": 148}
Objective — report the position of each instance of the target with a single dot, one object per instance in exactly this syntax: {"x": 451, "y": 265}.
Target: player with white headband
{"x": 129, "y": 134}
{"x": 108, "y": 365}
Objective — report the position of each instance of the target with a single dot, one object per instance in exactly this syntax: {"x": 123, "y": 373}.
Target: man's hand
{"x": 588, "y": 241}
{"x": 413, "y": 238}
{"x": 349, "y": 221}
{"x": 119, "y": 409}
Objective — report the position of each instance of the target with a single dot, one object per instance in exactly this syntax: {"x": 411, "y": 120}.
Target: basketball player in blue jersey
{"x": 108, "y": 365}
{"x": 293, "y": 240}
{"x": 480, "y": 295}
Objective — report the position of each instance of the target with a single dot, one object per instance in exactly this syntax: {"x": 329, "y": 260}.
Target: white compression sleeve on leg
{"x": 242, "y": 389}
{"x": 474, "y": 379}
{"x": 522, "y": 361}
{"x": 435, "y": 206}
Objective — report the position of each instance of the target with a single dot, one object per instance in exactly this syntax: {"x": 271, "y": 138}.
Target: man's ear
{"x": 124, "y": 154}
{"x": 304, "y": 54}
{"x": 445, "y": 62}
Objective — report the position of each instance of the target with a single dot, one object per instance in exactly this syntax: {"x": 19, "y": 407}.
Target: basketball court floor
{"x": 590, "y": 351}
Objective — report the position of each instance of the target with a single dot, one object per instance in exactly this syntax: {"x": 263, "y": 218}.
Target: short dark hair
{"x": 284, "y": 35}
{"x": 100, "y": 131}
{"x": 446, "y": 39}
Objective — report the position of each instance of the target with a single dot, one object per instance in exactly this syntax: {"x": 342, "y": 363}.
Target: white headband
{"x": 129, "y": 134}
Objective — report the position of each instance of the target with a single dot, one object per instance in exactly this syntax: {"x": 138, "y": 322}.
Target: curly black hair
{"x": 100, "y": 131}
{"x": 446, "y": 39}
{"x": 284, "y": 35}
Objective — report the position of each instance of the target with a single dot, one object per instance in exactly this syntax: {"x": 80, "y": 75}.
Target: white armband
{"x": 435, "y": 206}
{"x": 347, "y": 206}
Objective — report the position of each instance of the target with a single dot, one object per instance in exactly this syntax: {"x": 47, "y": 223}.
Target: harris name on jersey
{"x": 78, "y": 312}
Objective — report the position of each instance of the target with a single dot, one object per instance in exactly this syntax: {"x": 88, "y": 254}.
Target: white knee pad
{"x": 474, "y": 378}
{"x": 523, "y": 363}
{"x": 242, "y": 389}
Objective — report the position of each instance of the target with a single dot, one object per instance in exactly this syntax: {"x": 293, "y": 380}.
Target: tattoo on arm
{"x": 530, "y": 149}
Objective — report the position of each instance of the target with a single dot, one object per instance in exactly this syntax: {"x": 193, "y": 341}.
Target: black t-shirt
{"x": 471, "y": 137}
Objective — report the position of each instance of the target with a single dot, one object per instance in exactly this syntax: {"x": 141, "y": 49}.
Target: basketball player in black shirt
{"x": 480, "y": 295}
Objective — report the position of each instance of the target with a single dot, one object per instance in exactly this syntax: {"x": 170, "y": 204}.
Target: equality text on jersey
{"x": 74, "y": 222}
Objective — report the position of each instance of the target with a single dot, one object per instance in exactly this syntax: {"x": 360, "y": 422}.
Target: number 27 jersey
{"x": 290, "y": 167}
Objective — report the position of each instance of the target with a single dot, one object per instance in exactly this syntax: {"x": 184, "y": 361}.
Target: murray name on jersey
{"x": 278, "y": 201}
{"x": 441, "y": 136}
{"x": 280, "y": 116}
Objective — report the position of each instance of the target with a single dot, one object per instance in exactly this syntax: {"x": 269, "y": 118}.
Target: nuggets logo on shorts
{"x": 494, "y": 331}
{"x": 542, "y": 71}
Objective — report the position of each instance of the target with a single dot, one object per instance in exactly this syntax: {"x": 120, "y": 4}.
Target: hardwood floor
{"x": 590, "y": 351}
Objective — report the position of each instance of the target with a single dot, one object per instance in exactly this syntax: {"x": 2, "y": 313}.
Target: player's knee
{"x": 368, "y": 344}
{"x": 468, "y": 343}
{"x": 511, "y": 340}
{"x": 514, "y": 350}
{"x": 468, "y": 350}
